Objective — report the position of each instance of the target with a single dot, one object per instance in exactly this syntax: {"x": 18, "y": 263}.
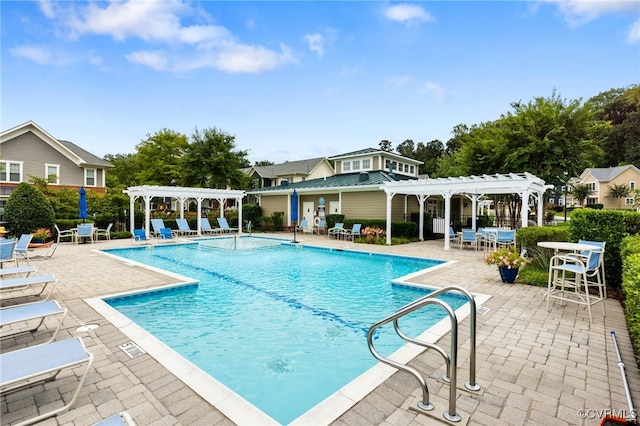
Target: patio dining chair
{"x": 67, "y": 233}
{"x": 470, "y": 238}
{"x": 106, "y": 233}
{"x": 7, "y": 251}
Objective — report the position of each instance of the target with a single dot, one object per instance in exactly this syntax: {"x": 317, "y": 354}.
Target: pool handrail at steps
{"x": 450, "y": 360}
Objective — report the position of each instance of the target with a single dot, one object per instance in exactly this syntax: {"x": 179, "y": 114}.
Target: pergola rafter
{"x": 147, "y": 192}
{"x": 524, "y": 184}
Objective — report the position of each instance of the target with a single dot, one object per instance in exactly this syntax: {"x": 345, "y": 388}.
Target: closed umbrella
{"x": 294, "y": 213}
{"x": 82, "y": 204}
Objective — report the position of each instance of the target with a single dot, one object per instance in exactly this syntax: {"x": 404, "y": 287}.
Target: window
{"x": 628, "y": 201}
{"x": 632, "y": 185}
{"x": 346, "y": 166}
{"x": 52, "y": 173}
{"x": 356, "y": 164}
{"x": 591, "y": 186}
{"x": 10, "y": 172}
{"x": 366, "y": 164}
{"x": 592, "y": 200}
{"x": 412, "y": 169}
{"x": 90, "y": 177}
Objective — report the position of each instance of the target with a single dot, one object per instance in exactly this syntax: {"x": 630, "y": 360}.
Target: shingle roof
{"x": 86, "y": 156}
{"x": 608, "y": 173}
{"x": 301, "y": 167}
{"x": 338, "y": 181}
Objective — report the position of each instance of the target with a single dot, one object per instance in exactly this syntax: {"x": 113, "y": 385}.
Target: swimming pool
{"x": 325, "y": 301}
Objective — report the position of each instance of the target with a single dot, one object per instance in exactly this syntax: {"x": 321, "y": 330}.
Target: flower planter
{"x": 508, "y": 275}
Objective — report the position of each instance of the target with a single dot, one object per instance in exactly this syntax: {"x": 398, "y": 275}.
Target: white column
{"x": 447, "y": 219}
{"x": 421, "y": 199}
{"x": 540, "y": 208}
{"x": 132, "y": 222}
{"x": 389, "y": 198}
{"x": 239, "y": 203}
{"x": 147, "y": 214}
{"x": 524, "y": 211}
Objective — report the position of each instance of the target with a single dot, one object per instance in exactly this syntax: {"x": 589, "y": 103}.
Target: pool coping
{"x": 234, "y": 406}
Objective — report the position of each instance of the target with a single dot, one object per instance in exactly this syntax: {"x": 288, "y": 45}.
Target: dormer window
{"x": 346, "y": 166}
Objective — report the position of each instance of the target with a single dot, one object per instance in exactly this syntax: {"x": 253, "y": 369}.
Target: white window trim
{"x": 370, "y": 160}
{"x": 95, "y": 177}
{"x": 7, "y": 163}
{"x": 57, "y": 173}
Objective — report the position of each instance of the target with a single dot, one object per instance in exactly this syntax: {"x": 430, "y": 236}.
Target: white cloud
{"x": 431, "y": 88}
{"x": 160, "y": 22}
{"x": 38, "y": 54}
{"x": 580, "y": 12}
{"x": 156, "y": 60}
{"x": 408, "y": 13}
{"x": 316, "y": 43}
{"x": 634, "y": 33}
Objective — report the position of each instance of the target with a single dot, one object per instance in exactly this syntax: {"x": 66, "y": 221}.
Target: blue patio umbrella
{"x": 82, "y": 204}
{"x": 294, "y": 212}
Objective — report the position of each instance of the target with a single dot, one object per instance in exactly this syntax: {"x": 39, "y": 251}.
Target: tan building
{"x": 354, "y": 189}
{"x": 601, "y": 180}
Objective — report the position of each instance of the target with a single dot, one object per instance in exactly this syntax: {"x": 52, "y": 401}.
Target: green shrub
{"x": 631, "y": 291}
{"x": 332, "y": 219}
{"x": 610, "y": 226}
{"x": 277, "y": 219}
{"x": 251, "y": 213}
{"x": 529, "y": 237}
{"x": 27, "y": 209}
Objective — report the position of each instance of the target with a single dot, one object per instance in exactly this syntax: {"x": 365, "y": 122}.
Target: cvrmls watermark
{"x": 595, "y": 413}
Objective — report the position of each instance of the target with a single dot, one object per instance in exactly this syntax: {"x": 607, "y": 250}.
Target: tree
{"x": 581, "y": 193}
{"x": 126, "y": 168}
{"x": 385, "y": 145}
{"x": 27, "y": 209}
{"x": 159, "y": 158}
{"x": 210, "y": 161}
{"x": 619, "y": 191}
{"x": 264, "y": 163}
{"x": 406, "y": 149}
{"x": 619, "y": 136}
{"x": 429, "y": 154}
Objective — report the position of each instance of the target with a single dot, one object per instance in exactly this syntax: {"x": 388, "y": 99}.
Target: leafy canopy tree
{"x": 385, "y": 145}
{"x": 159, "y": 158}
{"x": 27, "y": 209}
{"x": 545, "y": 137}
{"x": 211, "y": 161}
{"x": 125, "y": 171}
{"x": 619, "y": 138}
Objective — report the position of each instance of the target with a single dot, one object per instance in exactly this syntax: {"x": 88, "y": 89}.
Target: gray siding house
{"x": 28, "y": 150}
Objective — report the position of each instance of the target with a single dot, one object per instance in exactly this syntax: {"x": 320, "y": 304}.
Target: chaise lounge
{"x": 34, "y": 365}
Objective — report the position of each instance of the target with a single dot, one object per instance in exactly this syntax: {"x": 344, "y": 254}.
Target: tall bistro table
{"x": 565, "y": 246}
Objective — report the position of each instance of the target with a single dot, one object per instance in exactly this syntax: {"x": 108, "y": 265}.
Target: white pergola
{"x": 147, "y": 192}
{"x": 473, "y": 187}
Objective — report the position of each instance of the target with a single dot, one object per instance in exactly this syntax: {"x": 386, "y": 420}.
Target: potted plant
{"x": 508, "y": 260}
{"x": 41, "y": 235}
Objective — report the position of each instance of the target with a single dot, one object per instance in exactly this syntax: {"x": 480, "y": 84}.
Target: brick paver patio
{"x": 534, "y": 367}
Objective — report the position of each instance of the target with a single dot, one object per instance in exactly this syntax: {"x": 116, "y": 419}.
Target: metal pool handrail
{"x": 451, "y": 360}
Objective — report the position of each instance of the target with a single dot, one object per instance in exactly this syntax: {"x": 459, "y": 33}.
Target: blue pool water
{"x": 283, "y": 326}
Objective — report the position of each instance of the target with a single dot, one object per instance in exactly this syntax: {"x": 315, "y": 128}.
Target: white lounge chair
{"x": 15, "y": 284}
{"x": 42, "y": 363}
{"x": 22, "y": 248}
{"x": 157, "y": 225}
{"x": 30, "y": 312}
{"x": 205, "y": 227}
{"x": 106, "y": 233}
{"x": 41, "y": 254}
{"x": 18, "y": 270}
{"x": 64, "y": 234}
{"x": 224, "y": 225}
{"x": 184, "y": 228}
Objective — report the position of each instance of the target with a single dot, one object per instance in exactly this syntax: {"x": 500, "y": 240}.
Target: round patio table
{"x": 565, "y": 246}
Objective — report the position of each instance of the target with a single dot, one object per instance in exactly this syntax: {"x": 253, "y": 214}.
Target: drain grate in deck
{"x": 482, "y": 310}
{"x": 132, "y": 349}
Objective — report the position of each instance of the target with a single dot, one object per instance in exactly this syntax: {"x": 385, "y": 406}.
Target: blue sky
{"x": 301, "y": 79}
